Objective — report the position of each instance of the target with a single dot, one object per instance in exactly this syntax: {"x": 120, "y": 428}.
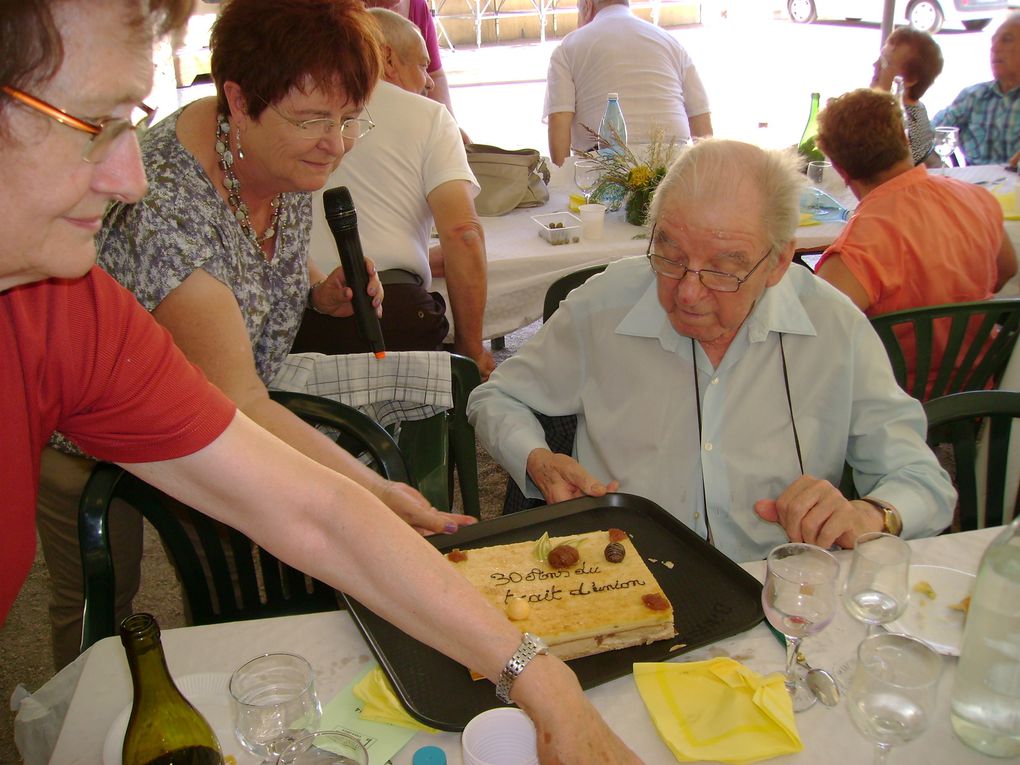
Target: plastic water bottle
{"x": 613, "y": 129}
{"x": 822, "y": 206}
{"x": 985, "y": 710}
{"x": 612, "y": 141}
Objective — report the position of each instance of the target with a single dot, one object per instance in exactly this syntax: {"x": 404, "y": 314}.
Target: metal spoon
{"x": 821, "y": 683}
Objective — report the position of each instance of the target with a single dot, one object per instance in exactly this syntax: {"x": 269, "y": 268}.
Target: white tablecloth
{"x": 336, "y": 650}
{"x": 522, "y": 265}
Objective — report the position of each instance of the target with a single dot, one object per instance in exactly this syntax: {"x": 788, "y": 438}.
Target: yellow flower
{"x": 639, "y": 176}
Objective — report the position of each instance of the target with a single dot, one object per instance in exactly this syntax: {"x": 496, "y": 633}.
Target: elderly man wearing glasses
{"x": 719, "y": 382}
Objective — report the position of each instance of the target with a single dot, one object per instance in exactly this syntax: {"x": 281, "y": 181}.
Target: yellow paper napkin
{"x": 718, "y": 710}
{"x": 1008, "y": 202}
{"x": 807, "y": 219}
{"x": 380, "y": 702}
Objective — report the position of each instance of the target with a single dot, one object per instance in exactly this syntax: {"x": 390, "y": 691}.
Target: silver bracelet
{"x": 311, "y": 302}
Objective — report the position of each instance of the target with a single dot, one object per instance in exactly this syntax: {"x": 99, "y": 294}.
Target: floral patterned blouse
{"x": 182, "y": 225}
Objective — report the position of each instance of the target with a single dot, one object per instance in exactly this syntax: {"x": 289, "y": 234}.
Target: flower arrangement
{"x": 629, "y": 179}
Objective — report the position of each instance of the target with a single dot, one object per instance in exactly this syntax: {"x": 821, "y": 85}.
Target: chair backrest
{"x": 979, "y": 338}
{"x": 224, "y": 575}
{"x": 444, "y": 444}
{"x": 560, "y": 288}
{"x": 353, "y": 430}
{"x": 957, "y": 420}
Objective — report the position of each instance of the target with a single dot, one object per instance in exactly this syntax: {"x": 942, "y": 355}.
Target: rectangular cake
{"x": 583, "y": 594}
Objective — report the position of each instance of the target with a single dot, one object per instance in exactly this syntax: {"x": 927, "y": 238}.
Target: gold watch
{"x": 891, "y": 521}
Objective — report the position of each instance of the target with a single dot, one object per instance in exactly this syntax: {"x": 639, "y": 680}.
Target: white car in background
{"x": 925, "y": 15}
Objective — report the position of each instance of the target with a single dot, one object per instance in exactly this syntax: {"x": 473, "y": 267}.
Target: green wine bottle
{"x": 806, "y": 148}
{"x": 164, "y": 728}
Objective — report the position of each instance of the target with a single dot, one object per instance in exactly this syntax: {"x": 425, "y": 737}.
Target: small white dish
{"x": 931, "y": 619}
{"x": 208, "y": 693}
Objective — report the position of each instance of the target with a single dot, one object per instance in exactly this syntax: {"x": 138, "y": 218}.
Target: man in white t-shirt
{"x": 613, "y": 51}
{"x": 408, "y": 172}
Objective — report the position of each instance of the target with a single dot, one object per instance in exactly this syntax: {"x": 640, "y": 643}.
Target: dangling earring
{"x": 240, "y": 152}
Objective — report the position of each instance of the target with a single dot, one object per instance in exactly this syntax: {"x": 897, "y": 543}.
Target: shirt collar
{"x": 612, "y": 10}
{"x": 779, "y": 309}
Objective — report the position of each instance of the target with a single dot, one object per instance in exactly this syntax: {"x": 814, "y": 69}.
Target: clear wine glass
{"x": 799, "y": 599}
{"x": 892, "y": 691}
{"x": 877, "y": 588}
{"x": 946, "y": 141}
{"x": 274, "y": 702}
{"x": 586, "y": 176}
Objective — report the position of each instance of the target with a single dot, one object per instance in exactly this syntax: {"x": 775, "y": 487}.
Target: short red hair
{"x": 269, "y": 47}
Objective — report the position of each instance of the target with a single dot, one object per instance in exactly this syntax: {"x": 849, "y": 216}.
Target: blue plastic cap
{"x": 429, "y": 755}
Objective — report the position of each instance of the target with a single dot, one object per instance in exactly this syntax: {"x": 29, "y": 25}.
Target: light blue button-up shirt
{"x": 611, "y": 356}
{"x": 989, "y": 122}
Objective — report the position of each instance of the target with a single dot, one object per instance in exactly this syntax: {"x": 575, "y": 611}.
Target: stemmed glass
{"x": 893, "y": 690}
{"x": 799, "y": 598}
{"x": 877, "y": 588}
{"x": 946, "y": 141}
{"x": 274, "y": 702}
{"x": 586, "y": 176}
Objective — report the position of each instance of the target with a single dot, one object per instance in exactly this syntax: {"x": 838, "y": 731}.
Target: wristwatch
{"x": 530, "y": 647}
{"x": 891, "y": 521}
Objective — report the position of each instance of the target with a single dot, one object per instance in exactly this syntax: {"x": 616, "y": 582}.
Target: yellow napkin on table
{"x": 718, "y": 710}
{"x": 808, "y": 219}
{"x": 1008, "y": 202}
{"x": 380, "y": 703}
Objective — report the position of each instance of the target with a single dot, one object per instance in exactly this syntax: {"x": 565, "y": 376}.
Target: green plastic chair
{"x": 957, "y": 420}
{"x": 224, "y": 576}
{"x": 439, "y": 446}
{"x": 562, "y": 287}
{"x": 967, "y": 364}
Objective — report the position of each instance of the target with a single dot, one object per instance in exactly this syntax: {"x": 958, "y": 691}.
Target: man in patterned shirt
{"x": 988, "y": 114}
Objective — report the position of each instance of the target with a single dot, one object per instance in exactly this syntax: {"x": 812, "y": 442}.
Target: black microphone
{"x": 343, "y": 222}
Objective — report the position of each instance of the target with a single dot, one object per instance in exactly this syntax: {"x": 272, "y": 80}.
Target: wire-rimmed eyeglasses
{"x": 104, "y": 131}
{"x": 351, "y": 129}
{"x": 717, "y": 281}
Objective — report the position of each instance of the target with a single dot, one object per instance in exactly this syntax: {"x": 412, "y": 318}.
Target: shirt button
{"x": 708, "y": 447}
{"x": 697, "y": 515}
{"x": 715, "y": 381}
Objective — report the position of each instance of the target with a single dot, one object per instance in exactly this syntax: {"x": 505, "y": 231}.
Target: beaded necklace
{"x": 233, "y": 187}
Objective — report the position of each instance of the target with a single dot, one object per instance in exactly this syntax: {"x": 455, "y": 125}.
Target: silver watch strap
{"x": 530, "y": 647}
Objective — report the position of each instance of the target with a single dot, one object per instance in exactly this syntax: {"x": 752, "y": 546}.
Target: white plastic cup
{"x": 502, "y": 736}
{"x": 819, "y": 173}
{"x": 593, "y": 219}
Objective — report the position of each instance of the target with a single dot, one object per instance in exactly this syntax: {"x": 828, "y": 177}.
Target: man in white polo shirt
{"x": 613, "y": 51}
{"x": 409, "y": 171}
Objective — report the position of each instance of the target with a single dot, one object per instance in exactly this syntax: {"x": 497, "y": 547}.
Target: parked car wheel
{"x": 925, "y": 16}
{"x": 802, "y": 11}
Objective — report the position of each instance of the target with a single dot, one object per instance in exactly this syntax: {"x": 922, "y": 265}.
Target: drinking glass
{"x": 326, "y": 747}
{"x": 892, "y": 691}
{"x": 946, "y": 141}
{"x": 877, "y": 588}
{"x": 799, "y": 598}
{"x": 586, "y": 176}
{"x": 274, "y": 702}
{"x": 818, "y": 172}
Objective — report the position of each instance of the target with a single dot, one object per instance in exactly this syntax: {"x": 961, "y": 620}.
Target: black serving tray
{"x": 712, "y": 598}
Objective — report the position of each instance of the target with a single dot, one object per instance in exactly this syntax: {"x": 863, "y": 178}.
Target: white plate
{"x": 208, "y": 692}
{"x": 932, "y": 620}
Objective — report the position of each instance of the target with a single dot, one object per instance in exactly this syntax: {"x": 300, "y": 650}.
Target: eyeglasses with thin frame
{"x": 717, "y": 281}
{"x": 104, "y": 131}
{"x": 351, "y": 129}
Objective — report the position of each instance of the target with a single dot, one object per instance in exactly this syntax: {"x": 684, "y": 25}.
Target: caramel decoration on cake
{"x": 604, "y": 600}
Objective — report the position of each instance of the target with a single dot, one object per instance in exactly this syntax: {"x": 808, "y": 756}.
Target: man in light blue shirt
{"x": 739, "y": 386}
{"x": 988, "y": 114}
